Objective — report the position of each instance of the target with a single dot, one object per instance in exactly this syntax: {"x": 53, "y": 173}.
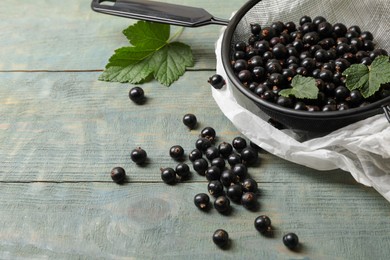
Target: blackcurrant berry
{"x": 225, "y": 149}
{"x": 118, "y": 175}
{"x": 318, "y": 19}
{"x": 221, "y": 238}
{"x": 249, "y": 156}
{"x": 182, "y": 170}
{"x": 202, "y": 144}
{"x": 228, "y": 178}
{"x": 216, "y": 81}
{"x": 194, "y": 155}
{"x": 249, "y": 200}
{"x": 202, "y": 201}
{"x": 213, "y": 173}
{"x": 305, "y": 19}
{"x": 339, "y": 29}
{"x": 208, "y": 132}
{"x": 291, "y": 240}
{"x": 137, "y": 95}
{"x": 240, "y": 170}
{"x": 255, "y": 28}
{"x": 280, "y": 51}
{"x": 222, "y": 204}
{"x": 262, "y": 223}
{"x": 215, "y": 188}
{"x": 218, "y": 162}
{"x": 200, "y": 166}
{"x": 190, "y": 120}
{"x": 138, "y": 155}
{"x": 211, "y": 153}
{"x": 249, "y": 185}
{"x": 168, "y": 175}
{"x": 234, "y": 192}
{"x": 234, "y": 159}
{"x": 176, "y": 152}
{"x": 239, "y": 143}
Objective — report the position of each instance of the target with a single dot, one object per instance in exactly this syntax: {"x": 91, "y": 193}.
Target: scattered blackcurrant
{"x": 202, "y": 201}
{"x": 217, "y": 81}
{"x": 291, "y": 240}
{"x": 222, "y": 204}
{"x": 176, "y": 152}
{"x": 190, "y": 121}
{"x": 262, "y": 223}
{"x": 221, "y": 238}
{"x": 118, "y": 175}
{"x": 137, "y": 95}
{"x": 182, "y": 170}
{"x": 138, "y": 155}
{"x": 168, "y": 175}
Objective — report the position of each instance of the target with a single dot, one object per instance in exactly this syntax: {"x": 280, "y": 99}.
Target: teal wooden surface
{"x": 62, "y": 130}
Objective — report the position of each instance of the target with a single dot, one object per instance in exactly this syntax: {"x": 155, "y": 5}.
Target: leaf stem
{"x": 176, "y": 35}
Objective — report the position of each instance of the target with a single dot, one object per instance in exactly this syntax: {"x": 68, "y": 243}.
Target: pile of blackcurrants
{"x": 273, "y": 55}
{"x": 225, "y": 166}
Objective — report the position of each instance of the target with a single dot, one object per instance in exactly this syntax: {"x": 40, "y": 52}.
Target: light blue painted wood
{"x": 62, "y": 132}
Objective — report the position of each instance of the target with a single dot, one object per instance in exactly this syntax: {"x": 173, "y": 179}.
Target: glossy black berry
{"x": 118, "y": 175}
{"x": 194, "y": 155}
{"x": 137, "y": 95}
{"x": 239, "y": 143}
{"x": 138, "y": 155}
{"x": 240, "y": 170}
{"x": 168, "y": 175}
{"x": 200, "y": 166}
{"x": 212, "y": 152}
{"x": 225, "y": 149}
{"x": 249, "y": 156}
{"x": 182, "y": 170}
{"x": 262, "y": 223}
{"x": 202, "y": 144}
{"x": 222, "y": 204}
{"x": 216, "y": 81}
{"x": 208, "y": 132}
{"x": 234, "y": 192}
{"x": 221, "y": 238}
{"x": 305, "y": 19}
{"x": 190, "y": 121}
{"x": 218, "y": 162}
{"x": 234, "y": 159}
{"x": 249, "y": 200}
{"x": 249, "y": 185}
{"x": 291, "y": 240}
{"x": 255, "y": 28}
{"x": 176, "y": 152}
{"x": 215, "y": 188}
{"x": 202, "y": 201}
{"x": 213, "y": 173}
{"x": 228, "y": 178}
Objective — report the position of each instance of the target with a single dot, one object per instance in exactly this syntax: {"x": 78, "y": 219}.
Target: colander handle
{"x": 157, "y": 12}
{"x": 386, "y": 108}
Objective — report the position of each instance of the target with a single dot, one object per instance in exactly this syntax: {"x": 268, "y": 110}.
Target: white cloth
{"x": 362, "y": 148}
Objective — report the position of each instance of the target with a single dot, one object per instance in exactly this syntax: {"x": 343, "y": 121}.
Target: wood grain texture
{"x": 62, "y": 130}
{"x": 68, "y": 35}
{"x": 154, "y": 221}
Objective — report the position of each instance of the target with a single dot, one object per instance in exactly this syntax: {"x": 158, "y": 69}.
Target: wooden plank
{"x": 71, "y": 127}
{"x": 154, "y": 220}
{"x": 68, "y": 35}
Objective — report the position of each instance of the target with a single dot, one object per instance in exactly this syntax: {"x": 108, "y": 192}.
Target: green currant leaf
{"x": 302, "y": 87}
{"x": 368, "y": 79}
{"x": 147, "y": 34}
{"x": 151, "y": 55}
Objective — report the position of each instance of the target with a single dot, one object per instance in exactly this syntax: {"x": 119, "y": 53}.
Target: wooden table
{"x": 62, "y": 130}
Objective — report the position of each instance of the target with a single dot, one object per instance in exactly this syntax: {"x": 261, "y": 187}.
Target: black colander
{"x": 371, "y": 15}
